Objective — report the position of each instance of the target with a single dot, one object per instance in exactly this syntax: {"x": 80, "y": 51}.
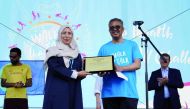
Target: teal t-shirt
{"x": 124, "y": 54}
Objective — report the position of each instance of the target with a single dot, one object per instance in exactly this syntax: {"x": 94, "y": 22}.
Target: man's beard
{"x": 116, "y": 32}
{"x": 14, "y": 62}
{"x": 116, "y": 38}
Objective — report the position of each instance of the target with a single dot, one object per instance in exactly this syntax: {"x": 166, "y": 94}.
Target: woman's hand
{"x": 83, "y": 74}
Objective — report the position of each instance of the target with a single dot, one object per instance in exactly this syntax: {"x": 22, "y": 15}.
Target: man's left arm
{"x": 176, "y": 81}
{"x": 28, "y": 83}
{"x": 134, "y": 66}
{"x": 28, "y": 78}
{"x": 136, "y": 57}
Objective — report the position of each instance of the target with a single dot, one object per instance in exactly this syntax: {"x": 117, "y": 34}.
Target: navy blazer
{"x": 62, "y": 91}
{"x": 174, "y": 82}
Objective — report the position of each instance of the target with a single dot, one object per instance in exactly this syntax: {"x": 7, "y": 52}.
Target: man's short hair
{"x": 116, "y": 19}
{"x": 17, "y": 50}
{"x": 165, "y": 54}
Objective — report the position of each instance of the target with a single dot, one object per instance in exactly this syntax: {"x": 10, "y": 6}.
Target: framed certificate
{"x": 98, "y": 64}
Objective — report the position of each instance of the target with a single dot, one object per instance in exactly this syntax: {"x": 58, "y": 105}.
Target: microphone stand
{"x": 145, "y": 40}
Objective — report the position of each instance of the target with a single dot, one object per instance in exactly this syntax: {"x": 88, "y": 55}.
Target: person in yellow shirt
{"x": 16, "y": 77}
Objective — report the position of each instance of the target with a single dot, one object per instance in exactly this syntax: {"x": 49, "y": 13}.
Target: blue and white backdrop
{"x": 33, "y": 25}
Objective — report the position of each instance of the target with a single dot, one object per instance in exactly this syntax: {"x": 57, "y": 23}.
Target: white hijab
{"x": 62, "y": 50}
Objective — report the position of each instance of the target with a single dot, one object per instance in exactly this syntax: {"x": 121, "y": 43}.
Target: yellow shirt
{"x": 15, "y": 74}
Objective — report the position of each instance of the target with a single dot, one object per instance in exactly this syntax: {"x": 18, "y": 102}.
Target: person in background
{"x": 64, "y": 75}
{"x": 165, "y": 82}
{"x": 97, "y": 92}
{"x": 118, "y": 93}
{"x": 15, "y": 78}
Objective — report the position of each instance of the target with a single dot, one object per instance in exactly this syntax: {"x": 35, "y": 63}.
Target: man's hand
{"x": 162, "y": 81}
{"x": 101, "y": 74}
{"x": 19, "y": 84}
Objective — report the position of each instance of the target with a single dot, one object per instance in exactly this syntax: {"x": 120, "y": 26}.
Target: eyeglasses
{"x": 13, "y": 56}
{"x": 117, "y": 27}
{"x": 164, "y": 59}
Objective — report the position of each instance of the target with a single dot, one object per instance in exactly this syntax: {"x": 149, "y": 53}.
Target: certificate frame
{"x": 98, "y": 64}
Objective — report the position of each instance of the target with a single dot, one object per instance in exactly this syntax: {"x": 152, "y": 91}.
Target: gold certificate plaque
{"x": 99, "y": 64}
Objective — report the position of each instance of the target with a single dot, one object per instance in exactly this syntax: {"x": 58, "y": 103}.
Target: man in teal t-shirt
{"x": 118, "y": 93}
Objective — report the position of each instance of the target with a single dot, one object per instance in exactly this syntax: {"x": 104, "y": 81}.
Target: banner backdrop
{"x": 38, "y": 76}
{"x": 33, "y": 26}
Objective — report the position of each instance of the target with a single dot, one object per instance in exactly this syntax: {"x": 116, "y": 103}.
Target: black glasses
{"x": 117, "y": 27}
{"x": 13, "y": 56}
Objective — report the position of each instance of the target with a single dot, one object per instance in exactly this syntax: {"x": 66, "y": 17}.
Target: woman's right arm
{"x": 55, "y": 64}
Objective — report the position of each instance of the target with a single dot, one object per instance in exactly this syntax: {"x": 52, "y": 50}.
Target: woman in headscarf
{"x": 63, "y": 82}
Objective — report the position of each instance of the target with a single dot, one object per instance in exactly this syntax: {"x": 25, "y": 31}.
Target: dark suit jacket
{"x": 174, "y": 82}
{"x": 62, "y": 91}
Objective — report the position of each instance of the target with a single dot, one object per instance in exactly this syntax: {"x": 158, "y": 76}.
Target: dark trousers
{"x": 166, "y": 104}
{"x": 120, "y": 103}
{"x": 15, "y": 103}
